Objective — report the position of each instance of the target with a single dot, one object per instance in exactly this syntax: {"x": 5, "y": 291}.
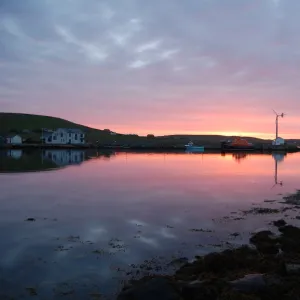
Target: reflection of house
{"x": 2, "y": 140}
{"x": 14, "y": 139}
{"x": 278, "y": 142}
{"x": 16, "y": 154}
{"x": 64, "y": 157}
{"x": 63, "y": 136}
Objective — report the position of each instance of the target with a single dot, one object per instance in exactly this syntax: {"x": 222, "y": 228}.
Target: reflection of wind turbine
{"x": 278, "y": 157}
{"x": 276, "y": 122}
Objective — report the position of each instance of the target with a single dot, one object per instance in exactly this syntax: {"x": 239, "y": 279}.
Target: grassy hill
{"x": 18, "y": 122}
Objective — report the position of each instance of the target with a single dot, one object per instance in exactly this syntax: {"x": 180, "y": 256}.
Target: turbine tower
{"x": 276, "y": 122}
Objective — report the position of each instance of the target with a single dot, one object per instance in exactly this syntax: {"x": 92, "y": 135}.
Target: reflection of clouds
{"x": 165, "y": 232}
{"x": 12, "y": 255}
{"x": 176, "y": 220}
{"x": 94, "y": 234}
{"x": 149, "y": 241}
{"x": 137, "y": 222}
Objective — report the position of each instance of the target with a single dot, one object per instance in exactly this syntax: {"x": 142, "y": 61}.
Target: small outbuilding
{"x": 14, "y": 140}
{"x": 278, "y": 142}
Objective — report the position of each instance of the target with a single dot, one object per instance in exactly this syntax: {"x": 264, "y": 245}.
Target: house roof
{"x": 71, "y": 130}
{"x": 12, "y": 135}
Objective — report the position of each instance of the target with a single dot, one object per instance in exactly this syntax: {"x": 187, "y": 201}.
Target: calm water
{"x": 96, "y": 214}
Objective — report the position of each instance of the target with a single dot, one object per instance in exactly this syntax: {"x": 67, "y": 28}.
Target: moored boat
{"x": 190, "y": 147}
{"x": 237, "y": 144}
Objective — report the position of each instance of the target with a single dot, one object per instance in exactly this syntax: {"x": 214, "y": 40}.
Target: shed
{"x": 14, "y": 140}
{"x": 278, "y": 142}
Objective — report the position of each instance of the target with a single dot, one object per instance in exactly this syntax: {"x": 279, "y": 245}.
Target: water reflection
{"x": 17, "y": 160}
{"x": 118, "y": 209}
{"x": 15, "y": 153}
{"x": 278, "y": 158}
{"x": 64, "y": 157}
{"x": 239, "y": 156}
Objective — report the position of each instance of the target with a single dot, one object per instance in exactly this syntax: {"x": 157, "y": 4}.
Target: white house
{"x": 63, "y": 136}
{"x": 64, "y": 157}
{"x": 14, "y": 140}
{"x": 278, "y": 142}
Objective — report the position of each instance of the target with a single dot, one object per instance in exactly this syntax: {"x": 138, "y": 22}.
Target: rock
{"x": 193, "y": 291}
{"x": 265, "y": 242}
{"x": 261, "y": 211}
{"x": 290, "y": 239}
{"x": 292, "y": 269}
{"x": 268, "y": 248}
{"x": 157, "y": 288}
{"x": 249, "y": 283}
{"x": 272, "y": 280}
{"x": 179, "y": 261}
{"x": 279, "y": 223}
{"x": 290, "y": 231}
{"x": 235, "y": 234}
{"x": 195, "y": 282}
{"x": 262, "y": 236}
{"x": 293, "y": 198}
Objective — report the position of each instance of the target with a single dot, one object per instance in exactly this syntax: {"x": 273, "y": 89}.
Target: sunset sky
{"x": 159, "y": 66}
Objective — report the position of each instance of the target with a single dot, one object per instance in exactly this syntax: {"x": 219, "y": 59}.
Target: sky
{"x": 159, "y": 66}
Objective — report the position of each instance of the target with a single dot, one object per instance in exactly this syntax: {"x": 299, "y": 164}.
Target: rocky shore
{"x": 268, "y": 269}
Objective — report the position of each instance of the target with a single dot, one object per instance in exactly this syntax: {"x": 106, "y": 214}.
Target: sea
{"x": 79, "y": 224}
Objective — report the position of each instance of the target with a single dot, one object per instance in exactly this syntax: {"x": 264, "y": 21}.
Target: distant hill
{"x": 19, "y": 122}
{"x": 212, "y": 138}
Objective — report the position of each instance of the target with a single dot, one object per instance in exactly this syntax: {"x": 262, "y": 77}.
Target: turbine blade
{"x": 275, "y": 112}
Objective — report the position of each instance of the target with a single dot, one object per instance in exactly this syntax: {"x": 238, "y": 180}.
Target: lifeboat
{"x": 237, "y": 143}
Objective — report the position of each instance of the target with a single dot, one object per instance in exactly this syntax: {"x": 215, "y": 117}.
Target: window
{"x": 76, "y": 136}
{"x": 61, "y": 135}
{"x": 54, "y": 138}
{"x": 69, "y": 134}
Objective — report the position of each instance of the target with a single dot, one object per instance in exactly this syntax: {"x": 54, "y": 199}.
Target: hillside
{"x": 19, "y": 122}
{"x": 212, "y": 138}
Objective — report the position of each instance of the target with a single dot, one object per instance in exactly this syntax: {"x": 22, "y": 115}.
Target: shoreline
{"x": 211, "y": 149}
{"x": 264, "y": 268}
{"x": 268, "y": 269}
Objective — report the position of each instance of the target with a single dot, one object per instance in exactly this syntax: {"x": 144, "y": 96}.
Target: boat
{"x": 237, "y": 144}
{"x": 190, "y": 147}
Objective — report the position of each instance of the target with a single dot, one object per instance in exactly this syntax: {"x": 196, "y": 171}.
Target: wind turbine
{"x": 277, "y": 116}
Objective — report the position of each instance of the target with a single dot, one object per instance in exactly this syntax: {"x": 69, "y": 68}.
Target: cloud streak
{"x": 158, "y": 66}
